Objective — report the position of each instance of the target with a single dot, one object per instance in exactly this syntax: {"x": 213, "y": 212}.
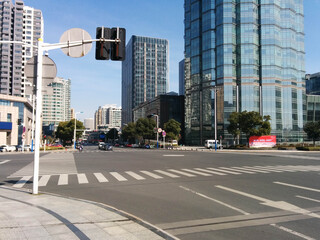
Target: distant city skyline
{"x": 159, "y": 19}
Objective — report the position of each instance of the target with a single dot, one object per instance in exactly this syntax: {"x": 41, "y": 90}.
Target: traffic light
{"x": 118, "y": 49}
{"x": 103, "y": 47}
{"x": 19, "y": 121}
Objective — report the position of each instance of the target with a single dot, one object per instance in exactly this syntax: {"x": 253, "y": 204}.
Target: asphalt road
{"x": 192, "y": 195}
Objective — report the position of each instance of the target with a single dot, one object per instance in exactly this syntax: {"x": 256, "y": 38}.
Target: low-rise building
{"x": 15, "y": 120}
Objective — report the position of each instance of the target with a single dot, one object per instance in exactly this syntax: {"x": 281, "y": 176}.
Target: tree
{"x": 112, "y": 134}
{"x": 129, "y": 132}
{"x": 312, "y": 129}
{"x": 65, "y": 131}
{"x": 144, "y": 128}
{"x": 253, "y": 124}
{"x": 173, "y": 129}
{"x": 234, "y": 128}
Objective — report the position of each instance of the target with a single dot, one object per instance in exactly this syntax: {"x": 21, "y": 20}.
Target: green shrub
{"x": 308, "y": 148}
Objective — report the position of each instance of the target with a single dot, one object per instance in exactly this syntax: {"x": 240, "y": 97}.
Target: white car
{"x": 7, "y": 148}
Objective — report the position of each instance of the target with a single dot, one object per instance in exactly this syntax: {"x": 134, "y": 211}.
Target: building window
{"x": 9, "y": 117}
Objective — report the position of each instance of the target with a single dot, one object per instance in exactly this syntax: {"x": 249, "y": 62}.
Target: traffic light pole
{"x": 41, "y": 48}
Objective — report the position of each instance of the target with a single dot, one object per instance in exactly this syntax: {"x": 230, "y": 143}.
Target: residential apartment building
{"x": 144, "y": 73}
{"x": 56, "y": 106}
{"x": 88, "y": 124}
{"x": 246, "y": 55}
{"x": 107, "y": 117}
{"x": 17, "y": 23}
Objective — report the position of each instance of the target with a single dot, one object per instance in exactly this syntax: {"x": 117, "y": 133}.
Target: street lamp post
{"x": 75, "y": 129}
{"x": 157, "y": 119}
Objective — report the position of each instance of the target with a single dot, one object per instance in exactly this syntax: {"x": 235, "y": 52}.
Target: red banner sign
{"x": 262, "y": 141}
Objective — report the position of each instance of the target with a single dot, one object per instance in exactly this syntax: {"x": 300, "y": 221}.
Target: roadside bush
{"x": 308, "y": 148}
{"x": 52, "y": 148}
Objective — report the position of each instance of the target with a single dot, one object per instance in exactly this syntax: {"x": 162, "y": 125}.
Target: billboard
{"x": 262, "y": 141}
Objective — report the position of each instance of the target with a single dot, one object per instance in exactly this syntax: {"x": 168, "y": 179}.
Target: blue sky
{"x": 97, "y": 83}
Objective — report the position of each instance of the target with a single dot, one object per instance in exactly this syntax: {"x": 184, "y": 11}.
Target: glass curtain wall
{"x": 252, "y": 53}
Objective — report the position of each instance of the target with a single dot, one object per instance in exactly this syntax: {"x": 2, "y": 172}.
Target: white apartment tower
{"x": 56, "y": 106}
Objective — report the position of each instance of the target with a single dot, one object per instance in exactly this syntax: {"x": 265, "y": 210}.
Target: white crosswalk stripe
{"x": 100, "y": 177}
{"x": 197, "y": 172}
{"x": 167, "y": 174}
{"x": 210, "y": 171}
{"x": 134, "y": 175}
{"x": 225, "y": 171}
{"x": 82, "y": 179}
{"x": 5, "y": 161}
{"x": 182, "y": 173}
{"x": 22, "y": 182}
{"x": 255, "y": 169}
{"x": 172, "y": 173}
{"x": 63, "y": 179}
{"x": 119, "y": 177}
{"x": 150, "y": 174}
{"x": 44, "y": 180}
{"x": 239, "y": 169}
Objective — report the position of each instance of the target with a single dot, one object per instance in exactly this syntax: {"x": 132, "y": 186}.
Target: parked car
{"x": 7, "y": 148}
{"x": 211, "y": 144}
{"x": 27, "y": 148}
{"x": 101, "y": 145}
{"x": 18, "y": 148}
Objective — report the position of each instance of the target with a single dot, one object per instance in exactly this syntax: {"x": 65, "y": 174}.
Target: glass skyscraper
{"x": 251, "y": 53}
{"x": 145, "y": 73}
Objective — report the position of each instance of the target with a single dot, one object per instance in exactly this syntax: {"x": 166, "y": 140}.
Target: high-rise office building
{"x": 181, "y": 78}
{"x": 144, "y": 73}
{"x": 88, "y": 123}
{"x": 251, "y": 53}
{"x": 17, "y": 23}
{"x": 56, "y": 106}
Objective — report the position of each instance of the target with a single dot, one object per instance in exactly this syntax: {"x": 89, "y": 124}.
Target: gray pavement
{"x": 48, "y": 216}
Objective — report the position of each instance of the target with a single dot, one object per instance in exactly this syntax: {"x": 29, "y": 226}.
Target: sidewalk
{"x": 48, "y": 216}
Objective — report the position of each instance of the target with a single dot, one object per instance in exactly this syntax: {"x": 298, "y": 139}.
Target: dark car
{"x": 107, "y": 147}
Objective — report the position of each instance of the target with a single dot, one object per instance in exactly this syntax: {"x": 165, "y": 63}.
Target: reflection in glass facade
{"x": 144, "y": 73}
{"x": 252, "y": 53}
{"x": 313, "y": 84}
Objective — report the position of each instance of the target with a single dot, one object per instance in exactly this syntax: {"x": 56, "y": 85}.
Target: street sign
{"x": 49, "y": 72}
{"x": 159, "y": 130}
{"x": 76, "y": 35}
{"x": 155, "y": 130}
{"x": 164, "y": 133}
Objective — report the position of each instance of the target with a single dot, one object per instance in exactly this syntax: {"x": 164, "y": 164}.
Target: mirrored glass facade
{"x": 144, "y": 73}
{"x": 252, "y": 53}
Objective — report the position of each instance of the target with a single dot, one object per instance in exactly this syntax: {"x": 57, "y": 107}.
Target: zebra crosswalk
{"x": 141, "y": 175}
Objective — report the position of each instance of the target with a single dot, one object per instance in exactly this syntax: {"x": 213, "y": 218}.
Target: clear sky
{"x": 97, "y": 83}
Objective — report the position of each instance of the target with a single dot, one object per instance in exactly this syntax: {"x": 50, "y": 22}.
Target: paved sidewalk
{"x": 48, "y": 216}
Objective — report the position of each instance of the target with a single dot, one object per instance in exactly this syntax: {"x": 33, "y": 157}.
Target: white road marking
{"x": 210, "y": 171}
{"x": 5, "y": 161}
{"x": 167, "y": 174}
{"x": 136, "y": 176}
{"x": 22, "y": 182}
{"x": 82, "y": 179}
{"x": 268, "y": 168}
{"x": 151, "y": 174}
{"x": 44, "y": 180}
{"x": 100, "y": 177}
{"x": 310, "y": 199}
{"x": 255, "y": 169}
{"x": 285, "y": 168}
{"x": 293, "y": 232}
{"x": 225, "y": 171}
{"x": 215, "y": 200}
{"x": 63, "y": 179}
{"x": 240, "y": 169}
{"x": 182, "y": 173}
{"x": 275, "y": 204}
{"x": 197, "y": 172}
{"x": 173, "y": 155}
{"x": 296, "y": 186}
{"x": 118, "y": 176}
